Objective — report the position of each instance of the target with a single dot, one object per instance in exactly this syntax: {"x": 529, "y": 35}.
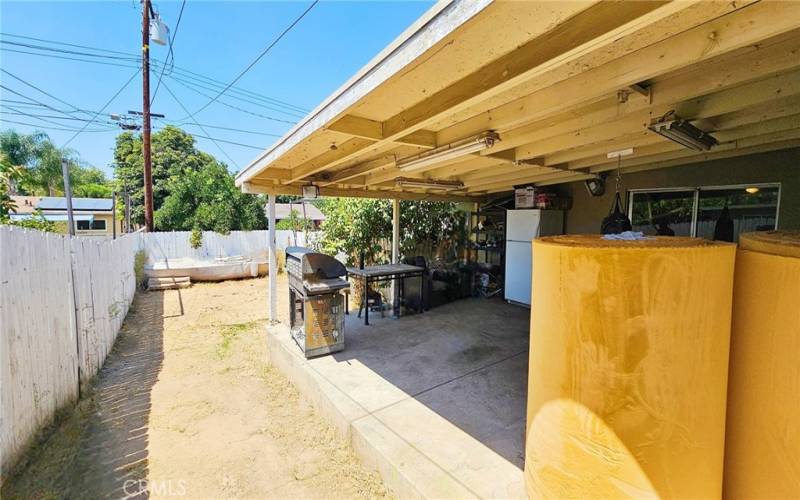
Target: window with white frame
{"x": 712, "y": 212}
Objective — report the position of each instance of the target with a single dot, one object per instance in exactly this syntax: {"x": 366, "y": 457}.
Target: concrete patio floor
{"x": 434, "y": 401}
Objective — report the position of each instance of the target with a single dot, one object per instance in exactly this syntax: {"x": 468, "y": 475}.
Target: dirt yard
{"x": 187, "y": 406}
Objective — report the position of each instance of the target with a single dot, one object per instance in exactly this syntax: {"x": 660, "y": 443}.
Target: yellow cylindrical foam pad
{"x": 628, "y": 367}
{"x": 762, "y": 449}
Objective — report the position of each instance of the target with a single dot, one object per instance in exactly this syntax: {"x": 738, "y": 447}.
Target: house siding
{"x": 777, "y": 166}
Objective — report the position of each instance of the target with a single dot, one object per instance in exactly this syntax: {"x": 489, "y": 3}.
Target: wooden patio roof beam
{"x": 749, "y": 25}
{"x": 586, "y": 88}
{"x": 359, "y": 170}
{"x": 356, "y": 126}
{"x": 740, "y": 140}
{"x": 258, "y": 187}
{"x": 723, "y": 101}
{"x": 682, "y": 91}
{"x": 726, "y": 109}
{"x": 666, "y": 162}
{"x": 599, "y": 27}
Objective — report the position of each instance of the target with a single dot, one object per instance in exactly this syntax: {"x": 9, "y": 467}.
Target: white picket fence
{"x": 62, "y": 302}
{"x": 175, "y": 244}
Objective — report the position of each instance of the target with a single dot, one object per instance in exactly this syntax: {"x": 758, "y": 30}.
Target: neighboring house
{"x": 25, "y": 204}
{"x": 93, "y": 216}
{"x": 283, "y": 211}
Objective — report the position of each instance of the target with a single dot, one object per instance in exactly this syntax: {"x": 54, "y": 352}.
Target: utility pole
{"x": 114, "y": 215}
{"x": 148, "y": 173}
{"x": 126, "y": 200}
{"x": 68, "y": 196}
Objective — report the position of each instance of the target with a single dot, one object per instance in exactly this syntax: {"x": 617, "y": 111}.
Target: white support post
{"x": 395, "y": 231}
{"x": 273, "y": 262}
{"x": 395, "y": 245}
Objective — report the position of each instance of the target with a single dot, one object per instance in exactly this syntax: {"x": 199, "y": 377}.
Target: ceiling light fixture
{"x": 596, "y": 185}
{"x": 752, "y": 190}
{"x": 402, "y": 182}
{"x": 310, "y": 192}
{"x": 449, "y": 151}
{"x": 682, "y": 132}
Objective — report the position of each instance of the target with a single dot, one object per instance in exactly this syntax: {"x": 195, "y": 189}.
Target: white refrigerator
{"x": 522, "y": 226}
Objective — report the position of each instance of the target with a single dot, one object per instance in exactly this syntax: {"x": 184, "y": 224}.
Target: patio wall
{"x": 777, "y": 166}
{"x": 62, "y": 302}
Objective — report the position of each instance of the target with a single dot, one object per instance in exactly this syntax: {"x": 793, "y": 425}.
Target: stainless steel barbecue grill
{"x": 316, "y": 302}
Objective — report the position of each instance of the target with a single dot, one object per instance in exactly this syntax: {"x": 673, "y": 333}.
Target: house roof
{"x": 282, "y": 211}
{"x": 55, "y": 217}
{"x": 562, "y": 83}
{"x": 26, "y": 204}
{"x": 86, "y": 204}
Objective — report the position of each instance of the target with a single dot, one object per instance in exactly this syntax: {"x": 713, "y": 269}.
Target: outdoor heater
{"x": 316, "y": 304}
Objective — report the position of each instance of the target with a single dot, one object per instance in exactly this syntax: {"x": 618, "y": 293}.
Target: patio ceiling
{"x": 562, "y": 83}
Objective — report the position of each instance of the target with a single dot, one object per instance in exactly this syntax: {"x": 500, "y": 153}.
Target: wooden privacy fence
{"x": 62, "y": 302}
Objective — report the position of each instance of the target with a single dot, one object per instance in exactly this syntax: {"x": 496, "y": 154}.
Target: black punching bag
{"x": 616, "y": 222}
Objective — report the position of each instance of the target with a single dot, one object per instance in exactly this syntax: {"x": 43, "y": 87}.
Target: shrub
{"x": 138, "y": 267}
{"x": 196, "y": 238}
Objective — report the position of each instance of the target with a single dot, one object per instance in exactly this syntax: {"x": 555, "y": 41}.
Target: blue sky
{"x": 216, "y": 39}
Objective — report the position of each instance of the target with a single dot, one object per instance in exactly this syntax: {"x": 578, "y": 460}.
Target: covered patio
{"x": 478, "y": 98}
{"x": 435, "y": 401}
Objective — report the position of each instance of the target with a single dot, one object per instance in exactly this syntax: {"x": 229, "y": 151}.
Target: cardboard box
{"x": 525, "y": 197}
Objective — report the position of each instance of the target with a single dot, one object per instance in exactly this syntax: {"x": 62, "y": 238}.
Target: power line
{"x": 263, "y": 53}
{"x": 29, "y": 98}
{"x": 103, "y": 108}
{"x": 197, "y": 76}
{"x": 39, "y": 103}
{"x": 136, "y": 58}
{"x": 51, "y": 96}
{"x": 201, "y": 127}
{"x": 36, "y": 125}
{"x": 176, "y": 124}
{"x": 265, "y": 106}
{"x": 67, "y": 44}
{"x": 68, "y": 58}
{"x": 22, "y": 104}
{"x": 237, "y": 108}
{"x": 35, "y": 117}
{"x": 217, "y": 139}
{"x": 54, "y": 117}
{"x": 26, "y": 104}
{"x": 171, "y": 55}
{"x": 230, "y": 92}
{"x": 66, "y": 51}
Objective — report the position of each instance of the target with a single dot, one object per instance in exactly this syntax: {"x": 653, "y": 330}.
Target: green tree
{"x": 89, "y": 182}
{"x": 432, "y": 229}
{"x": 208, "y": 199}
{"x": 40, "y": 161}
{"x": 174, "y": 156}
{"x": 295, "y": 222}
{"x": 356, "y": 225}
{"x": 9, "y": 175}
{"x": 353, "y": 225}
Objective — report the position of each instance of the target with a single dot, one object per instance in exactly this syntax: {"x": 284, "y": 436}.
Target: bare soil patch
{"x": 186, "y": 405}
